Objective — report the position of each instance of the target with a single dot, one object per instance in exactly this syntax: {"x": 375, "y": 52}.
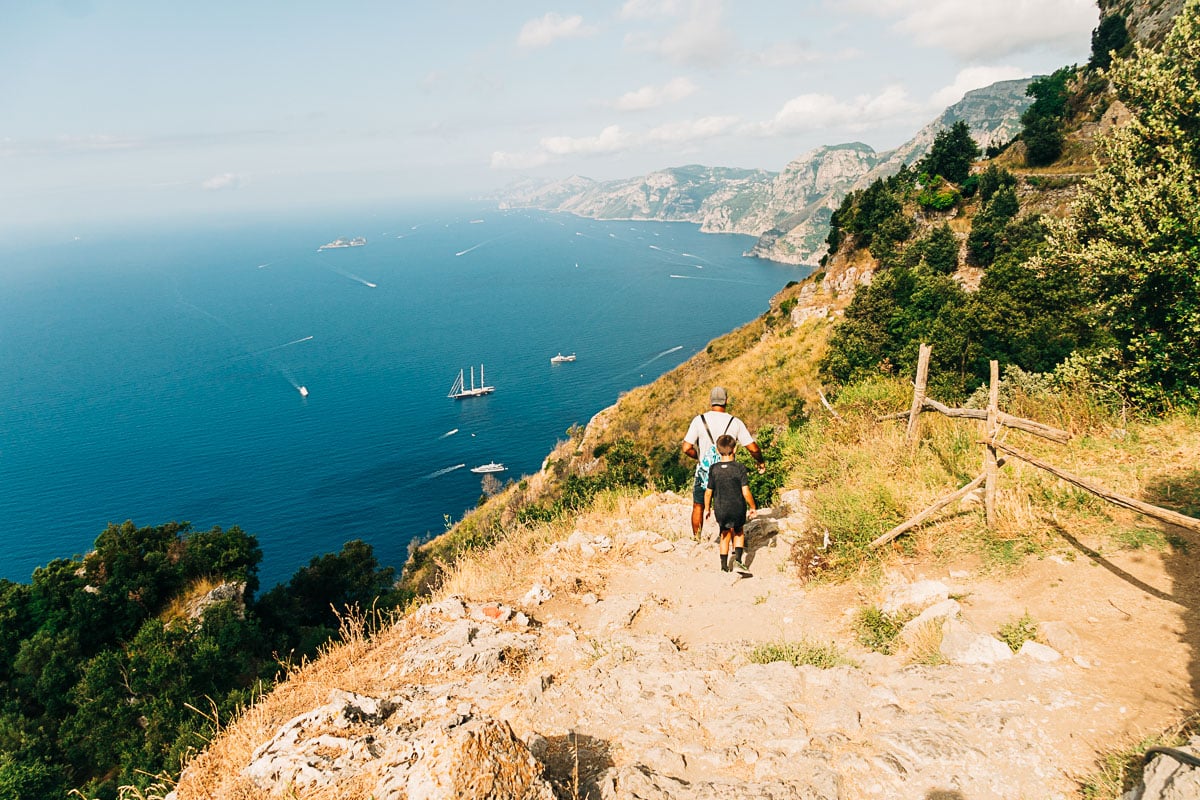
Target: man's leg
{"x": 697, "y": 508}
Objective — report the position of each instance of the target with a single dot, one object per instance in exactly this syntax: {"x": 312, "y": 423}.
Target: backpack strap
{"x": 712, "y": 438}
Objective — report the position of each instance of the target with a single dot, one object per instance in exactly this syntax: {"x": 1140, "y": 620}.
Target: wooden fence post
{"x": 914, "y": 413}
{"x": 992, "y": 425}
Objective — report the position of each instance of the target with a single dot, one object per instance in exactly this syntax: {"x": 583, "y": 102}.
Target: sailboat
{"x": 460, "y": 390}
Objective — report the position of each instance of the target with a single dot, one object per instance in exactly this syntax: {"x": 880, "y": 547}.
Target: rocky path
{"x": 624, "y": 672}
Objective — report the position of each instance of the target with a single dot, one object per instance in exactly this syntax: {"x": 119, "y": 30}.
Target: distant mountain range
{"x": 789, "y": 211}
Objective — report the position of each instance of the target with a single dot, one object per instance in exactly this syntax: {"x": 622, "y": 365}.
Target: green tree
{"x": 1110, "y": 36}
{"x": 940, "y": 250}
{"x": 952, "y": 153}
{"x": 1043, "y": 120}
{"x": 1135, "y": 229}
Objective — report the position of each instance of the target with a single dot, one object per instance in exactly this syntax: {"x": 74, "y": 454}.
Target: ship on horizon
{"x": 357, "y": 241}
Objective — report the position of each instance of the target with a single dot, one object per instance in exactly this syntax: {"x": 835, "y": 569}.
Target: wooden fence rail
{"x": 994, "y": 419}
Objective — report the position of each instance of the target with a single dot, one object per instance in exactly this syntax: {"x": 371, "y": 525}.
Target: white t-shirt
{"x": 720, "y": 423}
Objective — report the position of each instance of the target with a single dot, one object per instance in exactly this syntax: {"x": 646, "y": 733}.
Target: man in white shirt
{"x": 701, "y": 444}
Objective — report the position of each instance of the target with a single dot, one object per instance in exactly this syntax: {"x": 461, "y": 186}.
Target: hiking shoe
{"x": 739, "y": 565}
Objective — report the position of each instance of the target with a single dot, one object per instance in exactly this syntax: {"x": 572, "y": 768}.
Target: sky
{"x": 136, "y": 109}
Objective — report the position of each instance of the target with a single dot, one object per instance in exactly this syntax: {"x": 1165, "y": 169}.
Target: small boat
{"x": 303, "y": 390}
{"x": 460, "y": 390}
{"x": 489, "y": 467}
{"x": 561, "y": 359}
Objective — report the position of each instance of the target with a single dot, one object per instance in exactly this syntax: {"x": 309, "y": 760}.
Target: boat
{"x": 460, "y": 389}
{"x": 303, "y": 390}
{"x": 561, "y": 359}
{"x": 357, "y": 241}
{"x": 489, "y": 467}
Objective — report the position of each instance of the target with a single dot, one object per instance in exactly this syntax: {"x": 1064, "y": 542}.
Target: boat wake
{"x": 675, "y": 349}
{"x": 439, "y": 473}
{"x": 353, "y": 277}
{"x": 281, "y": 346}
{"x": 448, "y": 433}
{"x": 481, "y": 244}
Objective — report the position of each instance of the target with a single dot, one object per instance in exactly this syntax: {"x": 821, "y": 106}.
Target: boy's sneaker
{"x": 739, "y": 565}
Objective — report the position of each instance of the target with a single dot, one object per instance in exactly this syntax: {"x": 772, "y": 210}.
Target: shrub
{"x": 801, "y": 653}
{"x": 877, "y": 630}
{"x": 1018, "y": 631}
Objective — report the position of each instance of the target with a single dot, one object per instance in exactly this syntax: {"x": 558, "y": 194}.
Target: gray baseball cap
{"x": 718, "y": 396}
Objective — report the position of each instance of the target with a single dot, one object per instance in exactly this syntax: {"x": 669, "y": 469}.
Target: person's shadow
{"x": 760, "y": 532}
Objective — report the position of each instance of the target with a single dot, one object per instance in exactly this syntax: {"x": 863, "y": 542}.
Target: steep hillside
{"x": 994, "y": 116}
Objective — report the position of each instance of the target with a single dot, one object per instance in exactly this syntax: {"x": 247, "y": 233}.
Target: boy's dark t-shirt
{"x": 726, "y": 479}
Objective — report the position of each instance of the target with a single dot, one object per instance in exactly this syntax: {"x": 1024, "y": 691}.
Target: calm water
{"x": 152, "y": 374}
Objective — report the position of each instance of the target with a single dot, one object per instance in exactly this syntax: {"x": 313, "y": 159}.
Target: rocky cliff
{"x": 994, "y": 115}
{"x": 1148, "y": 21}
{"x": 692, "y": 193}
{"x": 789, "y": 210}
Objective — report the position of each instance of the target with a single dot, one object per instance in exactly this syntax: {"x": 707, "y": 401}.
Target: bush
{"x": 802, "y": 653}
{"x": 877, "y": 630}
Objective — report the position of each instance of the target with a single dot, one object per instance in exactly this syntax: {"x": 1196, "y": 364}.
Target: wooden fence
{"x": 994, "y": 420}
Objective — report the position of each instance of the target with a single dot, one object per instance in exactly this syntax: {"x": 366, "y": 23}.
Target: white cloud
{"x": 551, "y": 27}
{"x": 641, "y": 9}
{"x": 987, "y": 28}
{"x": 226, "y": 180}
{"x": 613, "y": 139}
{"x": 700, "y": 38}
{"x": 973, "y": 78}
{"x": 808, "y": 112}
{"x": 692, "y": 130}
{"x": 609, "y": 140}
{"x": 654, "y": 96}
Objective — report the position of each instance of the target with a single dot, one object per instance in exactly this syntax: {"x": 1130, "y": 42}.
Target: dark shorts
{"x": 698, "y": 491}
{"x": 732, "y": 525}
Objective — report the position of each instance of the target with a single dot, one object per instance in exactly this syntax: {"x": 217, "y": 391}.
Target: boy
{"x": 728, "y": 498}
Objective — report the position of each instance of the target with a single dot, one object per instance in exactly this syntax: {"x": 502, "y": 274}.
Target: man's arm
{"x": 689, "y": 450}
{"x": 756, "y": 452}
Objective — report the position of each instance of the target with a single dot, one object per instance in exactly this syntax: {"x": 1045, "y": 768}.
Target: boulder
{"x": 915, "y": 597}
{"x": 962, "y": 645}
{"x": 1167, "y": 778}
{"x": 946, "y": 609}
{"x": 478, "y": 760}
{"x": 1039, "y": 652}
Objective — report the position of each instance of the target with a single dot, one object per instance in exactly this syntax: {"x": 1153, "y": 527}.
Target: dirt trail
{"x": 1131, "y": 672}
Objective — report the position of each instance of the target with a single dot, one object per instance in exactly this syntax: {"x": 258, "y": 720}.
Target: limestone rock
{"x": 915, "y": 596}
{"x": 961, "y": 645}
{"x": 233, "y": 592}
{"x": 479, "y": 760}
{"x": 1167, "y": 778}
{"x": 641, "y": 783}
{"x": 1039, "y": 652}
{"x": 537, "y": 595}
{"x": 1060, "y": 636}
{"x": 946, "y": 609}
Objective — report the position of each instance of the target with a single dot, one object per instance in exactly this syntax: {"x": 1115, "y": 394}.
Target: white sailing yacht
{"x": 460, "y": 390}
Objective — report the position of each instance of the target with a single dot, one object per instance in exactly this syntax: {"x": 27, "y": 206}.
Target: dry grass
{"x": 359, "y": 662}
{"x": 923, "y": 645}
{"x": 178, "y": 608}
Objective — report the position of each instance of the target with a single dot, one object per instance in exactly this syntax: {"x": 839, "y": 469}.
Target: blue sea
{"x": 152, "y": 373}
